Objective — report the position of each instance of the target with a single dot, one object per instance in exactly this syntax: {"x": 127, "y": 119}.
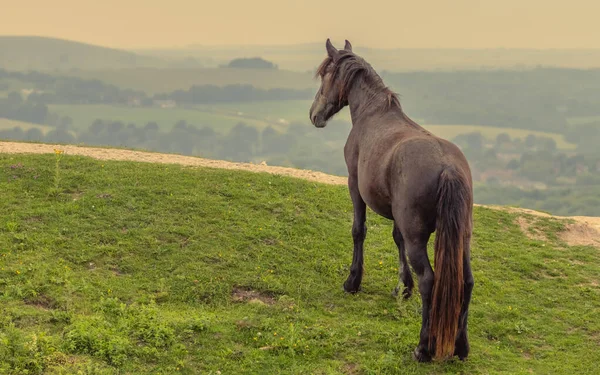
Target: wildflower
{"x": 274, "y": 333}
{"x": 18, "y": 272}
{"x": 510, "y": 307}
{"x": 58, "y": 151}
{"x": 380, "y": 262}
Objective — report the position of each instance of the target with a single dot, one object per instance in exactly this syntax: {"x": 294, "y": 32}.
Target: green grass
{"x": 121, "y": 267}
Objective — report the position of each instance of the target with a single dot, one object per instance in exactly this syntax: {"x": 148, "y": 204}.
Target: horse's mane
{"x": 348, "y": 68}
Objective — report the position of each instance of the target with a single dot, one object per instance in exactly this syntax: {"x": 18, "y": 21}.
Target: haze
{"x": 382, "y": 24}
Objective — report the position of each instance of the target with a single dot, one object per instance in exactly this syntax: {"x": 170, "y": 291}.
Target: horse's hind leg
{"x": 359, "y": 232}
{"x": 462, "y": 341}
{"x": 404, "y": 275}
{"x": 416, "y": 248}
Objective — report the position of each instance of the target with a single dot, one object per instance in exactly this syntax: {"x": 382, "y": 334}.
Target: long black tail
{"x": 454, "y": 207}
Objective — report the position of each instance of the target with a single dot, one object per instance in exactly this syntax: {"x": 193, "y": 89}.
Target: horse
{"x": 420, "y": 181}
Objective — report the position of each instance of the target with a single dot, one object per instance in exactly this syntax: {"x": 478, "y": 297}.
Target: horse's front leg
{"x": 359, "y": 232}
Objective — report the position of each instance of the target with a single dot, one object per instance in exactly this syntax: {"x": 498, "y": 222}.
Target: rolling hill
{"x": 127, "y": 267}
{"x": 305, "y": 57}
{"x": 23, "y": 53}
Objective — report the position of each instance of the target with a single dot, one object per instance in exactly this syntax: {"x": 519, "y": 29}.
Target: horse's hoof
{"x": 351, "y": 289}
{"x": 462, "y": 353}
{"x": 421, "y": 355}
{"x": 406, "y": 293}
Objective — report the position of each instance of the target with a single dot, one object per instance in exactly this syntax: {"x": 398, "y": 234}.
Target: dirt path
{"x": 585, "y": 231}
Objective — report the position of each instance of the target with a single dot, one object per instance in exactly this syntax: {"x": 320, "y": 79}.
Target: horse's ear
{"x": 348, "y": 46}
{"x": 331, "y": 50}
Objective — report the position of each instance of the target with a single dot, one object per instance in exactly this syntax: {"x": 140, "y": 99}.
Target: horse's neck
{"x": 374, "y": 101}
{"x": 368, "y": 100}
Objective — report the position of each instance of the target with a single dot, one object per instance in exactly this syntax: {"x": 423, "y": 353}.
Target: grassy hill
{"x": 123, "y": 267}
{"x": 44, "y": 54}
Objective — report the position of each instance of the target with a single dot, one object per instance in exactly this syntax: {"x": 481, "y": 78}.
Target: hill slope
{"x": 112, "y": 266}
{"x": 43, "y": 54}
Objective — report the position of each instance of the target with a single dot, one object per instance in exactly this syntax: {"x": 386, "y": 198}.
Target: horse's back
{"x": 415, "y": 169}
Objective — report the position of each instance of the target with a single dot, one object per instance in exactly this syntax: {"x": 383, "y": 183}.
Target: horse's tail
{"x": 453, "y": 225}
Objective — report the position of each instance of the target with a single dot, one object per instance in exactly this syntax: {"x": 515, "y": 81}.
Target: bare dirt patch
{"x": 351, "y": 369}
{"x": 251, "y": 296}
{"x": 41, "y": 301}
{"x": 579, "y": 230}
{"x": 529, "y": 230}
{"x": 585, "y": 231}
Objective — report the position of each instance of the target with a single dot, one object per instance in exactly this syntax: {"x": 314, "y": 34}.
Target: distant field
{"x": 289, "y": 110}
{"x": 223, "y": 117}
{"x": 10, "y": 85}
{"x": 574, "y": 121}
{"x": 84, "y": 115}
{"x": 10, "y": 124}
{"x": 490, "y": 132}
{"x": 154, "y": 81}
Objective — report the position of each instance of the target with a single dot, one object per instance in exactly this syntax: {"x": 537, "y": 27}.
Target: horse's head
{"x": 331, "y": 97}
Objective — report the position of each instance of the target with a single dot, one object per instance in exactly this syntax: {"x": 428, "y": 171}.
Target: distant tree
{"x": 206, "y": 132}
{"x": 66, "y": 121}
{"x": 502, "y": 138}
{"x": 547, "y": 144}
{"x": 34, "y": 134}
{"x": 147, "y": 102}
{"x": 181, "y": 125}
{"x": 59, "y": 136}
{"x": 97, "y": 127}
{"x": 152, "y": 126}
{"x": 14, "y": 99}
{"x": 241, "y": 143}
{"x": 251, "y": 63}
{"x": 530, "y": 141}
{"x": 115, "y": 127}
{"x": 513, "y": 164}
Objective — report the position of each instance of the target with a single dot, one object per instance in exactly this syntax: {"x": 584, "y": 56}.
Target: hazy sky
{"x": 374, "y": 23}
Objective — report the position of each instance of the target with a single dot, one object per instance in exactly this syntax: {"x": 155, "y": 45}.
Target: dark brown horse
{"x": 421, "y": 182}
